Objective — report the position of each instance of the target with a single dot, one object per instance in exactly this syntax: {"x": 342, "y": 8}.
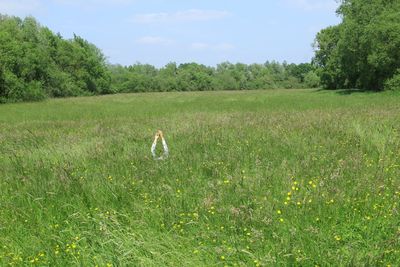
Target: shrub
{"x": 311, "y": 79}
{"x": 33, "y": 92}
{"x": 393, "y": 83}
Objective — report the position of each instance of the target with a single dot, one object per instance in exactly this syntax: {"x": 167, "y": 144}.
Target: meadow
{"x": 254, "y": 178}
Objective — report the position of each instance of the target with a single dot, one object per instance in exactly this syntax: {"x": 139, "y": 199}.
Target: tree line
{"x": 36, "y": 63}
{"x": 225, "y": 76}
{"x": 363, "y": 51}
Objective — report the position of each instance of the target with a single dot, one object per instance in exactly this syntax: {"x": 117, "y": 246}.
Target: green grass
{"x": 254, "y": 178}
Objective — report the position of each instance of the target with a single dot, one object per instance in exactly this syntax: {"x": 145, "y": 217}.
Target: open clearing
{"x": 254, "y": 178}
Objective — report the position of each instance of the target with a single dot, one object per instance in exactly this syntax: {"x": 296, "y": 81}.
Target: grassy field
{"x": 254, "y": 178}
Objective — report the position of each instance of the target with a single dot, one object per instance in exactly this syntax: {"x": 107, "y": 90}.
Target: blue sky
{"x": 207, "y": 31}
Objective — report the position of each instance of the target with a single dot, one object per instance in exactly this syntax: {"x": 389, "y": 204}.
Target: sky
{"x": 203, "y": 31}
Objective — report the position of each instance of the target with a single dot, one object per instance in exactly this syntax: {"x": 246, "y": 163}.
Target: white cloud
{"x": 93, "y": 3}
{"x": 200, "y": 46}
{"x": 223, "y": 47}
{"x": 154, "y": 40}
{"x": 19, "y": 7}
{"x": 180, "y": 16}
{"x": 312, "y": 5}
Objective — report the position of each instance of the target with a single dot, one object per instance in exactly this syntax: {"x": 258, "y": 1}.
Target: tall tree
{"x": 363, "y": 50}
{"x": 35, "y": 63}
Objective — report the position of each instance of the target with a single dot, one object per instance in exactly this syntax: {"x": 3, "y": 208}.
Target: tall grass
{"x": 255, "y": 178}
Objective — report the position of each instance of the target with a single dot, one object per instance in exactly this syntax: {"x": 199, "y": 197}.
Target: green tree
{"x": 35, "y": 63}
{"x": 362, "y": 51}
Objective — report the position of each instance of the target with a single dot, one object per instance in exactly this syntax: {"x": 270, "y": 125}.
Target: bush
{"x": 393, "y": 84}
{"x": 12, "y": 87}
{"x": 33, "y": 92}
{"x": 312, "y": 80}
{"x": 291, "y": 83}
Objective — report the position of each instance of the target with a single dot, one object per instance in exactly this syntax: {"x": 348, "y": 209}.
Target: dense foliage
{"x": 35, "y": 63}
{"x": 225, "y": 76}
{"x": 361, "y": 52}
{"x": 364, "y": 50}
